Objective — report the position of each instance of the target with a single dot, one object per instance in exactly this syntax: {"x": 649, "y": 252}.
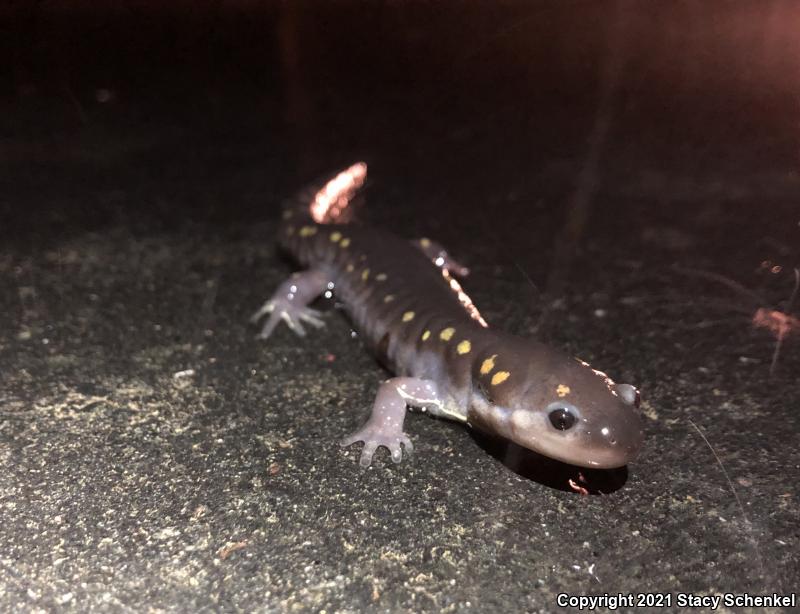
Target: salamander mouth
{"x": 615, "y": 452}
{"x": 594, "y": 459}
{"x": 598, "y": 449}
{"x": 582, "y": 451}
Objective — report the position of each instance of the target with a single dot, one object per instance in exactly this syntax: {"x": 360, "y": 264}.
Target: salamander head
{"x": 555, "y": 405}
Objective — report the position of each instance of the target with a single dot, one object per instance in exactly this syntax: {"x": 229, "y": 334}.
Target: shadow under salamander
{"x": 552, "y": 473}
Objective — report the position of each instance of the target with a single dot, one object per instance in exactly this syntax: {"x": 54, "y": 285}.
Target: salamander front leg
{"x": 290, "y": 303}
{"x": 385, "y": 424}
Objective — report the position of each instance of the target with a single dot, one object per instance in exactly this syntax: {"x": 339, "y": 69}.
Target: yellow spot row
{"x": 500, "y": 377}
{"x": 464, "y": 347}
{"x": 488, "y": 364}
{"x": 336, "y": 237}
{"x": 486, "y": 367}
{"x": 310, "y": 231}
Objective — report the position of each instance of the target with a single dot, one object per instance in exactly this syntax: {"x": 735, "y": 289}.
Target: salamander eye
{"x": 562, "y": 418}
{"x": 629, "y": 394}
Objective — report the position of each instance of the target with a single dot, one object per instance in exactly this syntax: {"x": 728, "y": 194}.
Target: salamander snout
{"x": 616, "y": 440}
{"x": 593, "y": 422}
{"x": 574, "y": 413}
{"x": 603, "y": 432}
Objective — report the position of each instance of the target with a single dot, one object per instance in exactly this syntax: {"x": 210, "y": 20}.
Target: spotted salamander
{"x": 405, "y": 301}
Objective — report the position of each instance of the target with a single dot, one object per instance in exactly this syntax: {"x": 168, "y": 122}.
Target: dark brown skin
{"x": 410, "y": 313}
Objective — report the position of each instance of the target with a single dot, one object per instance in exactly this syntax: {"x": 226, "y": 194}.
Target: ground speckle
{"x": 155, "y": 457}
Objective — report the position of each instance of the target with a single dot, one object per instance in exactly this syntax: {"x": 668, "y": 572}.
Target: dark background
{"x": 621, "y": 177}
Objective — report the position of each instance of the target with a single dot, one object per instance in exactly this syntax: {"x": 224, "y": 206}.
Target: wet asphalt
{"x": 623, "y": 184}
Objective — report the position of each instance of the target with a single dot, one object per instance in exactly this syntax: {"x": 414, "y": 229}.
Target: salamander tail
{"x": 328, "y": 203}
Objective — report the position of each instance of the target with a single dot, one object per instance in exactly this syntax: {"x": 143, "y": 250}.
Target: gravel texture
{"x": 616, "y": 192}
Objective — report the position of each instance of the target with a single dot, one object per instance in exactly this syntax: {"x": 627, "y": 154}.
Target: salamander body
{"x": 405, "y": 302}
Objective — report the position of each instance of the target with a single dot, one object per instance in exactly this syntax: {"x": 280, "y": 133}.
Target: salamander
{"x": 405, "y": 301}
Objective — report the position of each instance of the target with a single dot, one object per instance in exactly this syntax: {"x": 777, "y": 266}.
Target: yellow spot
{"x": 425, "y": 335}
{"x": 335, "y": 236}
{"x": 562, "y": 390}
{"x": 388, "y": 298}
{"x": 308, "y": 231}
{"x": 381, "y": 277}
{"x": 488, "y": 364}
{"x": 344, "y": 243}
{"x": 447, "y": 333}
{"x": 349, "y": 268}
{"x": 290, "y": 230}
{"x": 464, "y": 347}
{"x": 426, "y": 243}
{"x": 499, "y": 377}
{"x": 408, "y": 316}
{"x": 365, "y": 275}
{"x": 287, "y": 214}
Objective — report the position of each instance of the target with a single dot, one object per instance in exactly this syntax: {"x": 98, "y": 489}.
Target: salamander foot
{"x": 374, "y": 438}
{"x": 291, "y": 313}
{"x": 385, "y": 424}
{"x": 290, "y": 303}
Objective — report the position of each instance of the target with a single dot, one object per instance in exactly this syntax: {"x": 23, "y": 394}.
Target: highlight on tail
{"x": 463, "y": 298}
{"x": 332, "y": 199}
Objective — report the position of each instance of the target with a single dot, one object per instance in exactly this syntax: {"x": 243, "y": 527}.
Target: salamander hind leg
{"x": 385, "y": 424}
{"x": 439, "y": 256}
{"x": 290, "y": 303}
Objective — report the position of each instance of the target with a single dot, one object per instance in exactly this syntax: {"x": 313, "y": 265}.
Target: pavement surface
{"x": 623, "y": 184}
